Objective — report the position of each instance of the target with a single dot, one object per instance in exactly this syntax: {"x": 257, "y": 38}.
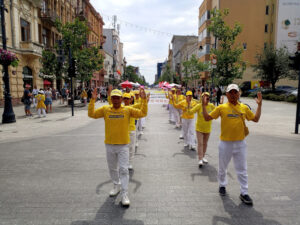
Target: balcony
{"x": 80, "y": 14}
{"x": 31, "y": 48}
{"x": 48, "y": 16}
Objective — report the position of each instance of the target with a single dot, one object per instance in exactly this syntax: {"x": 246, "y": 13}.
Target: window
{"x": 267, "y": 10}
{"x": 25, "y": 30}
{"x": 266, "y": 28}
{"x": 265, "y": 45}
{"x": 40, "y": 34}
{"x": 245, "y": 46}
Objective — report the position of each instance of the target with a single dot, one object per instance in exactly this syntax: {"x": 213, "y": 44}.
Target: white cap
{"x": 232, "y": 87}
{"x": 41, "y": 91}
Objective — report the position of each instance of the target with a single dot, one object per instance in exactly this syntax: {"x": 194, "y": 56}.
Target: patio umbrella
{"x": 126, "y": 84}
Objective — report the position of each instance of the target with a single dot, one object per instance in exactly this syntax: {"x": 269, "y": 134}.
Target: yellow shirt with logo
{"x": 232, "y": 127}
{"x": 202, "y": 125}
{"x": 183, "y": 105}
{"x": 132, "y": 119}
{"x": 117, "y": 120}
{"x": 40, "y": 101}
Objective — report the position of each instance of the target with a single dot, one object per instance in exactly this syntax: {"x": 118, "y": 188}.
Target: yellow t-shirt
{"x": 232, "y": 127}
{"x": 132, "y": 119}
{"x": 117, "y": 120}
{"x": 202, "y": 125}
{"x": 184, "y": 107}
{"x": 178, "y": 98}
{"x": 40, "y": 101}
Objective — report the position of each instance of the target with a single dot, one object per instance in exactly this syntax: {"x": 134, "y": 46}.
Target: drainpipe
{"x": 12, "y": 24}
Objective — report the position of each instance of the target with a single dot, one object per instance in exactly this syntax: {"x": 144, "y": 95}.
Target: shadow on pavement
{"x": 137, "y": 183}
{"x": 208, "y": 171}
{"x": 186, "y": 151}
{"x": 109, "y": 213}
{"x": 241, "y": 214}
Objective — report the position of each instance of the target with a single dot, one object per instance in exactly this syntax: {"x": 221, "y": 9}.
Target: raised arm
{"x": 98, "y": 113}
{"x": 206, "y": 116}
{"x": 142, "y": 112}
{"x": 258, "y": 110}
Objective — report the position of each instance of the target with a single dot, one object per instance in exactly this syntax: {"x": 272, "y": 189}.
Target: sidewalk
{"x": 60, "y": 120}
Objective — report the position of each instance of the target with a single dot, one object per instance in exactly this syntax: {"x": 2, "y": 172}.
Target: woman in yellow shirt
{"x": 203, "y": 128}
{"x": 40, "y": 97}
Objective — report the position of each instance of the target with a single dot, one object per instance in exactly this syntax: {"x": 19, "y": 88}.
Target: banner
{"x": 158, "y": 97}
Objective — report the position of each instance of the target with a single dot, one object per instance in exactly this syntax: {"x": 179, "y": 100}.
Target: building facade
{"x": 112, "y": 47}
{"x": 259, "y": 19}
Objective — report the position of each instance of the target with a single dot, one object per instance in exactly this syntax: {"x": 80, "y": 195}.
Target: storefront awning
{"x": 46, "y": 82}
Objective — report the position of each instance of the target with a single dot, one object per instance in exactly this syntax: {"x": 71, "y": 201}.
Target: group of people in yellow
{"x": 233, "y": 130}
{"x": 120, "y": 133}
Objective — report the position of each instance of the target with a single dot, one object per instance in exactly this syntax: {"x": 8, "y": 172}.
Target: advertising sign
{"x": 288, "y": 24}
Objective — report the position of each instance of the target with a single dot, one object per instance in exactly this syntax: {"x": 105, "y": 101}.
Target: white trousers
{"x": 171, "y": 113}
{"x": 140, "y": 124}
{"x": 188, "y": 128}
{"x": 43, "y": 111}
{"x": 132, "y": 135}
{"x": 238, "y": 151}
{"x": 118, "y": 161}
{"x": 177, "y": 113}
{"x": 34, "y": 101}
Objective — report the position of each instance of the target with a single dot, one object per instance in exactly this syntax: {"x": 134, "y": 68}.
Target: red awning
{"x": 46, "y": 82}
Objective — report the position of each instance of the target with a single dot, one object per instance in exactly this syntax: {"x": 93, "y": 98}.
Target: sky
{"x": 147, "y": 27}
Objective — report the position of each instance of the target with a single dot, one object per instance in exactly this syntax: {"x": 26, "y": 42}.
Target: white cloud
{"x": 144, "y": 47}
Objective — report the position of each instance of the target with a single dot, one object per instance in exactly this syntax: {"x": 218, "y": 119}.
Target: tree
{"x": 273, "y": 65}
{"x": 229, "y": 56}
{"x": 192, "y": 69}
{"x": 169, "y": 75}
{"x": 74, "y": 36}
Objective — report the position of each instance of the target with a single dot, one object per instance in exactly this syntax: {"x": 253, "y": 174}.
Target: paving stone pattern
{"x": 63, "y": 179}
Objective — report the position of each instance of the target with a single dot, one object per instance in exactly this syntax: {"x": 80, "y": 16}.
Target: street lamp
{"x": 8, "y": 115}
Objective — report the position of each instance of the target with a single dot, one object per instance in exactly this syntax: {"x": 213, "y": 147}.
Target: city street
{"x": 54, "y": 171}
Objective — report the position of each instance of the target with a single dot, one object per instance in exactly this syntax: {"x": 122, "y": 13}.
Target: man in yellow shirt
{"x": 188, "y": 122}
{"x": 169, "y": 96}
{"x": 178, "y": 97}
{"x": 117, "y": 120}
{"x": 233, "y": 144}
{"x": 132, "y": 130}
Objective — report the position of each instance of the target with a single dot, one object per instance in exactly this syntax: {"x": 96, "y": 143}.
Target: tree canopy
{"x": 229, "y": 56}
{"x": 273, "y": 65}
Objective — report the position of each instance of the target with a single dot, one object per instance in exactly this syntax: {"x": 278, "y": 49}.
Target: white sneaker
{"x": 180, "y": 137}
{"x": 200, "y": 163}
{"x": 185, "y": 145}
{"x": 115, "y": 190}
{"x": 130, "y": 167}
{"x": 125, "y": 200}
{"x": 192, "y": 147}
{"x": 205, "y": 160}
{"x": 141, "y": 132}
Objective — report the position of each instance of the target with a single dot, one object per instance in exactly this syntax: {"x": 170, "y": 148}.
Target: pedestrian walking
{"x": 84, "y": 96}
{"x": 219, "y": 94}
{"x": 117, "y": 118}
{"x": 188, "y": 123}
{"x": 48, "y": 101}
{"x": 203, "y": 128}
{"x": 34, "y": 93}
{"x": 41, "y": 107}
{"x": 232, "y": 139}
{"x": 26, "y": 99}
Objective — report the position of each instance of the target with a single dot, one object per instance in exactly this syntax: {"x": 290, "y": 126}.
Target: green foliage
{"x": 169, "y": 76}
{"x": 229, "y": 56}
{"x": 192, "y": 69}
{"x": 274, "y": 97}
{"x": 88, "y": 59}
{"x": 273, "y": 65}
{"x": 130, "y": 75}
{"x": 291, "y": 98}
